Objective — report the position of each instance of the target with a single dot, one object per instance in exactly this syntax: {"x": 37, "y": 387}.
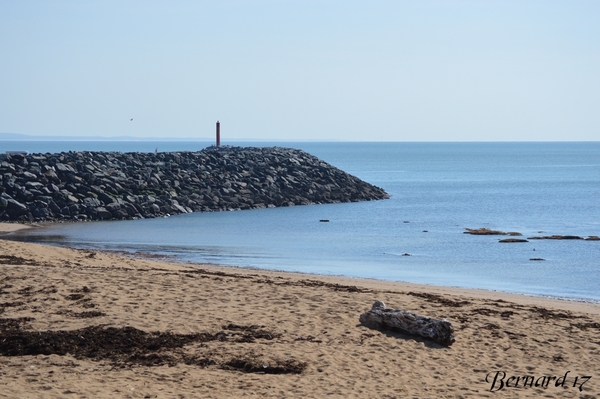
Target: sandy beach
{"x": 90, "y": 324}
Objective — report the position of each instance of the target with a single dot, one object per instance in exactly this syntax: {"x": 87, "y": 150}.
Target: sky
{"x": 346, "y": 70}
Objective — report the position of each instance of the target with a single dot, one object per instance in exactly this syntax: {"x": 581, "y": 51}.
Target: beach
{"x": 202, "y": 331}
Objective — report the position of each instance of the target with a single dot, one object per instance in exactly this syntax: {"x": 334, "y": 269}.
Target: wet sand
{"x": 89, "y": 324}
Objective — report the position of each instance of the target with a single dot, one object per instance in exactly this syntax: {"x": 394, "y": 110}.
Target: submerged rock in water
{"x": 511, "y": 240}
{"x": 487, "y": 232}
{"x": 555, "y": 237}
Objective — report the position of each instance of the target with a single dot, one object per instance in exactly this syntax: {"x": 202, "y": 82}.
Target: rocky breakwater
{"x": 114, "y": 185}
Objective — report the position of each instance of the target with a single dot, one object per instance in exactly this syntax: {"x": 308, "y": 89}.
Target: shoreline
{"x": 8, "y": 228}
{"x": 479, "y": 293}
{"x": 270, "y": 334}
{"x": 12, "y": 227}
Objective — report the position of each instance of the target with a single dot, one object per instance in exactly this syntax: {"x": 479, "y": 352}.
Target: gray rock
{"x": 102, "y": 213}
{"x": 16, "y": 205}
{"x": 64, "y": 168}
{"x": 91, "y": 202}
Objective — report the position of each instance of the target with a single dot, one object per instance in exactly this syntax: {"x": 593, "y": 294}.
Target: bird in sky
{"x": 131, "y": 119}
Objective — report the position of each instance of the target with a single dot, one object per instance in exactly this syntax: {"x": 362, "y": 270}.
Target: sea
{"x": 437, "y": 189}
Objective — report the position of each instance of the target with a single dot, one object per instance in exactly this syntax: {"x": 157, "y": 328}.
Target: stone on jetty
{"x": 113, "y": 185}
{"x": 383, "y": 318}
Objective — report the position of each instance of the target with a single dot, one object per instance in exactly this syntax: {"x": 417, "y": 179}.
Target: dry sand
{"x": 225, "y": 331}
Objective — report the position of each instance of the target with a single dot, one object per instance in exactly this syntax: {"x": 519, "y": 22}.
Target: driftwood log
{"x": 381, "y": 317}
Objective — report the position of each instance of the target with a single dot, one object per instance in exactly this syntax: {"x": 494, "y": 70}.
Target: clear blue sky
{"x": 329, "y": 70}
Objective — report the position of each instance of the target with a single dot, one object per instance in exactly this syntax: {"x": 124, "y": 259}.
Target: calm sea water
{"x": 437, "y": 189}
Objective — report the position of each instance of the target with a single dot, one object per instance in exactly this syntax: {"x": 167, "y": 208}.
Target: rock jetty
{"x": 114, "y": 186}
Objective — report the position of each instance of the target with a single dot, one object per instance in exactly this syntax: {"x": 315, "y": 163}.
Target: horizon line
{"x": 27, "y": 137}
